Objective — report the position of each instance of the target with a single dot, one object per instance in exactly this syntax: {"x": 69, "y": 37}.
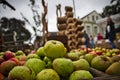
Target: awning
{"x": 102, "y": 22}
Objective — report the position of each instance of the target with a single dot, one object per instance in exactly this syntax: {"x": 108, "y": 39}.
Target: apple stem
{"x": 54, "y": 42}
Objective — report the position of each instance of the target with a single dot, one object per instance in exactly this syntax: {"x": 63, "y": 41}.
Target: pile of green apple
{"x": 105, "y": 60}
{"x": 53, "y": 62}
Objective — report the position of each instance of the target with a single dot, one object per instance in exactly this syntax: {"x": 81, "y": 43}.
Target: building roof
{"x": 90, "y": 13}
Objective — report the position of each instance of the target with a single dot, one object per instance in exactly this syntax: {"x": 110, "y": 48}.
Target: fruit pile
{"x": 53, "y": 62}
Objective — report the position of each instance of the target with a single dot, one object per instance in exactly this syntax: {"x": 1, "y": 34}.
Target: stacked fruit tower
{"x": 74, "y": 30}
{"x": 71, "y": 27}
{"x": 61, "y": 25}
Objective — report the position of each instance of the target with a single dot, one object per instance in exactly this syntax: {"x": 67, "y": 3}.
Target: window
{"x": 96, "y": 17}
{"x": 88, "y": 29}
{"x": 95, "y": 30}
{"x": 93, "y": 18}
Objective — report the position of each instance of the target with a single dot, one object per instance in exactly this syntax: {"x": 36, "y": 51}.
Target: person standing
{"x": 99, "y": 40}
{"x": 92, "y": 41}
{"x": 95, "y": 40}
{"x": 99, "y": 37}
{"x": 110, "y": 32}
{"x": 87, "y": 39}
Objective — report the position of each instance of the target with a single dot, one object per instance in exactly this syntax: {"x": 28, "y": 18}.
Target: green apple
{"x": 82, "y": 52}
{"x": 35, "y": 64}
{"x": 40, "y": 52}
{"x": 115, "y": 51}
{"x": 114, "y": 69}
{"x": 48, "y": 62}
{"x": 21, "y": 73}
{"x": 54, "y": 49}
{"x": 46, "y": 59}
{"x": 103, "y": 50}
{"x": 73, "y": 56}
{"x": 109, "y": 54}
{"x": 82, "y": 57}
{"x": 81, "y": 75}
{"x": 89, "y": 57}
{"x": 114, "y": 54}
{"x": 100, "y": 62}
{"x": 81, "y": 64}
{"x": 48, "y": 74}
{"x": 29, "y": 56}
{"x": 115, "y": 58}
{"x": 1, "y": 53}
{"x": 63, "y": 66}
{"x": 19, "y": 52}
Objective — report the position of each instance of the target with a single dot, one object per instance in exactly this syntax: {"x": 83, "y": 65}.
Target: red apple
{"x": 1, "y": 76}
{"x": 23, "y": 58}
{"x": 93, "y": 52}
{"x": 84, "y": 49}
{"x": 99, "y": 52}
{"x": 8, "y": 54}
{"x": 118, "y": 55}
{"x": 89, "y": 50}
{"x": 6, "y": 67}
{"x": 1, "y": 60}
{"x": 33, "y": 52}
{"x": 15, "y": 60}
{"x": 22, "y": 63}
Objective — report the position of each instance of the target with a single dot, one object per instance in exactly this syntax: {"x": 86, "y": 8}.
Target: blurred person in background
{"x": 87, "y": 39}
{"x": 110, "y": 32}
{"x": 99, "y": 37}
{"x": 92, "y": 41}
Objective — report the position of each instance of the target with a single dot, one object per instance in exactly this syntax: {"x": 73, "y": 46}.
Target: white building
{"x": 89, "y": 23}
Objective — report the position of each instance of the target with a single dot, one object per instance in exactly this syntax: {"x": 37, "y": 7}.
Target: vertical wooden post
{"x": 74, "y": 8}
{"x": 44, "y": 22}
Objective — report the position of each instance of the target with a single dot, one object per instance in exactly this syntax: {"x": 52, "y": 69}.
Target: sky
{"x": 83, "y": 7}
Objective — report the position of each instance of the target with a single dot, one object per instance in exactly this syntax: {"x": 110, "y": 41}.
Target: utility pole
{"x": 74, "y": 8}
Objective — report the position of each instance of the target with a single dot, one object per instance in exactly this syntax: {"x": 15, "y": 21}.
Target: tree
{"x": 36, "y": 19}
{"x": 116, "y": 5}
{"x": 9, "y": 26}
{"x": 112, "y": 9}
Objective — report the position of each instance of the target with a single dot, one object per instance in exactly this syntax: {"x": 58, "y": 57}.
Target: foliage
{"x": 112, "y": 9}
{"x": 36, "y": 19}
{"x": 8, "y": 26}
